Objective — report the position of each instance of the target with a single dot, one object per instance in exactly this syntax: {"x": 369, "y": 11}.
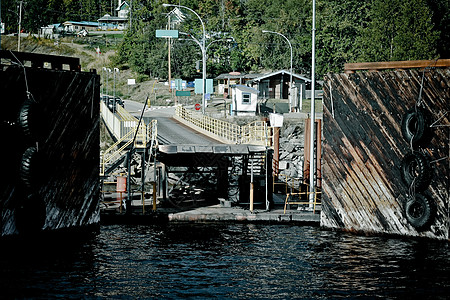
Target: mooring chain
{"x": 29, "y": 94}
{"x": 412, "y": 188}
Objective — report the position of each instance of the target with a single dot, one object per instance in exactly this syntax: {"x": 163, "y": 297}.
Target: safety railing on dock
{"x": 124, "y": 127}
{"x": 310, "y": 203}
{"x": 122, "y": 123}
{"x": 257, "y": 132}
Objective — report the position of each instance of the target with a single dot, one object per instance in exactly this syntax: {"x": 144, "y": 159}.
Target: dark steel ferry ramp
{"x": 203, "y": 163}
{"x": 198, "y": 169}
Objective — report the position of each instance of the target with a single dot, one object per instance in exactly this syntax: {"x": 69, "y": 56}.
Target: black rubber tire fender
{"x": 420, "y": 211}
{"x": 416, "y": 167}
{"x": 27, "y": 167}
{"x": 31, "y": 121}
{"x": 25, "y": 118}
{"x": 416, "y": 127}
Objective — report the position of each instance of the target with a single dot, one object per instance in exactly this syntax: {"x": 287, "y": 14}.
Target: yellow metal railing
{"x": 113, "y": 153}
{"x": 122, "y": 122}
{"x": 290, "y": 199}
{"x": 291, "y": 184}
{"x": 123, "y": 126}
{"x": 256, "y": 132}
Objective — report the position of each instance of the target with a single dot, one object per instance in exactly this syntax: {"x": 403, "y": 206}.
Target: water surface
{"x": 234, "y": 261}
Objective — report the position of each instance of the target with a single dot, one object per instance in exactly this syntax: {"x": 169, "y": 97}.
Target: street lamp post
{"x": 199, "y": 44}
{"x": 290, "y": 80}
{"x": 203, "y": 52}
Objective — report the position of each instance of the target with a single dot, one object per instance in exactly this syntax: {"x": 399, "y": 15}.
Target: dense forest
{"x": 346, "y": 31}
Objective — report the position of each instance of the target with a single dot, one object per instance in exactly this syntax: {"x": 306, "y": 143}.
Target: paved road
{"x": 169, "y": 130}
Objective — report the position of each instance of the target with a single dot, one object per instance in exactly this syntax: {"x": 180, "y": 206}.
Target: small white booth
{"x": 244, "y": 100}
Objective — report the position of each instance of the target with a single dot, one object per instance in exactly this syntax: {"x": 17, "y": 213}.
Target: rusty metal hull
{"x": 364, "y": 149}
{"x": 50, "y": 147}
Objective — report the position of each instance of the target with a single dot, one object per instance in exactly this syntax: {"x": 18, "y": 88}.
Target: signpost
{"x": 166, "y": 33}
{"x": 161, "y": 33}
{"x": 197, "y": 106}
{"x": 199, "y": 86}
{"x": 183, "y": 93}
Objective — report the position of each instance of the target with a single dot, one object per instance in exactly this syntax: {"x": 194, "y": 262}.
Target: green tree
{"x": 441, "y": 21}
{"x": 339, "y": 26}
{"x": 398, "y": 30}
{"x": 346, "y": 31}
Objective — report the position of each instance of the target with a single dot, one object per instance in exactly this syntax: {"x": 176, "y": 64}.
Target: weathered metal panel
{"x": 59, "y": 188}
{"x": 364, "y": 147}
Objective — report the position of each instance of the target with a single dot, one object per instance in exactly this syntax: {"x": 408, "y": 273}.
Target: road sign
{"x": 199, "y": 86}
{"x": 178, "y": 84}
{"x": 167, "y": 33}
{"x": 183, "y": 93}
{"x": 197, "y": 106}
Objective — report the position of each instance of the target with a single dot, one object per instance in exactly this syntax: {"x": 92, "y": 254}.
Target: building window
{"x": 246, "y": 98}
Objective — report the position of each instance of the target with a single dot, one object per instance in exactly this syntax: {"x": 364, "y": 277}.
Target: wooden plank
{"x": 363, "y": 148}
{"x": 409, "y": 64}
{"x": 353, "y": 211}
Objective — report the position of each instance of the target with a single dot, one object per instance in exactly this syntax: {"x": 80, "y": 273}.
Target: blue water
{"x": 233, "y": 261}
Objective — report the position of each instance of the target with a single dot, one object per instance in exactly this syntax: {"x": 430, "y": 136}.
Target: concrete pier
{"x": 212, "y": 213}
{"x": 217, "y": 213}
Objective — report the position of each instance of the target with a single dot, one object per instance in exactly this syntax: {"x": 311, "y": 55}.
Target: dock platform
{"x": 217, "y": 213}
{"x": 212, "y": 213}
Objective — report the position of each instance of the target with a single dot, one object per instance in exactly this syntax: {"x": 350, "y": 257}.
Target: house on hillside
{"x": 227, "y": 80}
{"x": 75, "y": 27}
{"x": 123, "y": 9}
{"x": 119, "y": 22}
{"x": 51, "y": 31}
{"x": 276, "y": 85}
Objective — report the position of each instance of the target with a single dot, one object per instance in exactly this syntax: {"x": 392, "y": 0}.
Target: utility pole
{"x": 169, "y": 41}
{"x": 20, "y": 23}
{"x": 313, "y": 115}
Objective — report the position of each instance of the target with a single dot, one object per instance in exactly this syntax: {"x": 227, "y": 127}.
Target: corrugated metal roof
{"x": 247, "y": 89}
{"x": 282, "y": 72}
{"x": 245, "y": 76}
{"x": 109, "y": 18}
{"x": 86, "y": 23}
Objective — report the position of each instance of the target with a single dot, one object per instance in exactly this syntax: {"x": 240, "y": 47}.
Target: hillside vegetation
{"x": 145, "y": 86}
{"x": 346, "y": 31}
